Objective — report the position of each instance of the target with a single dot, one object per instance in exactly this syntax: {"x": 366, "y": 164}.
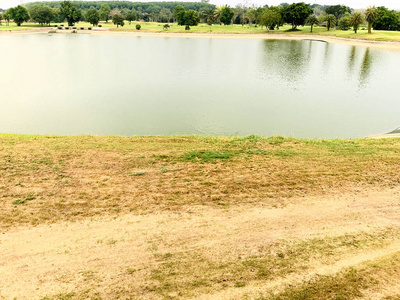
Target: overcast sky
{"x": 392, "y": 4}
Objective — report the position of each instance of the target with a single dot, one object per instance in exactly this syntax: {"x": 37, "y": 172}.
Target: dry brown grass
{"x": 47, "y": 179}
{"x": 198, "y": 217}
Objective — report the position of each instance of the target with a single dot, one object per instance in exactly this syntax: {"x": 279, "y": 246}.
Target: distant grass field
{"x": 231, "y": 29}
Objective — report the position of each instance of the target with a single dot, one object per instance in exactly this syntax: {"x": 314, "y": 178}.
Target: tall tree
{"x": 92, "y": 16}
{"x": 217, "y": 13}
{"x": 191, "y": 18}
{"x": 270, "y": 18}
{"x": 251, "y": 16}
{"x": 42, "y": 14}
{"x": 118, "y": 20}
{"x": 338, "y": 11}
{"x": 8, "y": 16}
{"x": 20, "y": 15}
{"x": 179, "y": 14}
{"x": 296, "y": 14}
{"x": 329, "y": 19}
{"x": 207, "y": 15}
{"x": 226, "y": 15}
{"x": 130, "y": 17}
{"x": 104, "y": 12}
{"x": 386, "y": 19}
{"x": 371, "y": 15}
{"x": 356, "y": 20}
{"x": 312, "y": 20}
{"x": 69, "y": 12}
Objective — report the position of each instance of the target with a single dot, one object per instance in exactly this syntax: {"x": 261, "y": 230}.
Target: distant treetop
{"x": 142, "y": 7}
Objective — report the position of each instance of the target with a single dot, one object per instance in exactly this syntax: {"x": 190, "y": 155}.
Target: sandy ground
{"x": 57, "y": 258}
{"x": 105, "y": 31}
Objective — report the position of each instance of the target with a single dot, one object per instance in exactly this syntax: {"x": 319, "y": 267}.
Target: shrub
{"x": 344, "y": 23}
{"x": 138, "y": 27}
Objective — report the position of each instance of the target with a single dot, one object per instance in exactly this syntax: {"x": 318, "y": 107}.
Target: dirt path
{"x": 60, "y": 258}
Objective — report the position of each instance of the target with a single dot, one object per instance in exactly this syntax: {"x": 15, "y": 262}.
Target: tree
{"x": 270, "y": 18}
{"x": 329, "y": 19}
{"x": 356, "y": 20}
{"x": 251, "y": 16}
{"x": 338, "y": 11}
{"x": 296, "y": 14}
{"x": 69, "y": 12}
{"x": 188, "y": 18}
{"x": 179, "y": 14}
{"x": 8, "y": 16}
{"x": 240, "y": 13}
{"x": 371, "y": 15}
{"x": 19, "y": 14}
{"x": 42, "y": 14}
{"x": 226, "y": 15}
{"x": 191, "y": 18}
{"x": 114, "y": 12}
{"x": 207, "y": 15}
{"x": 1, "y": 18}
{"x": 386, "y": 19}
{"x": 92, "y": 16}
{"x": 165, "y": 15}
{"x": 118, "y": 20}
{"x": 217, "y": 13}
{"x": 344, "y": 23}
{"x": 104, "y": 12}
{"x": 130, "y": 17}
{"x": 312, "y": 20}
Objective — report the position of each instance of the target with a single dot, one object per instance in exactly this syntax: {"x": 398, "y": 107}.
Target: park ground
{"x": 85, "y": 217}
{"x": 362, "y": 34}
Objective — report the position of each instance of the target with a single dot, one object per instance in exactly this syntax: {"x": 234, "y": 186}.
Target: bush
{"x": 138, "y": 26}
{"x": 344, "y": 23}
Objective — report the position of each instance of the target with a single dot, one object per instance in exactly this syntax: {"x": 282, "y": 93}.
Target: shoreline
{"x": 388, "y": 45}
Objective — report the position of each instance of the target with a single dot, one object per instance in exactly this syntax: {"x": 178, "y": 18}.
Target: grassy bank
{"x": 232, "y": 29}
{"x": 46, "y": 179}
{"x": 85, "y": 217}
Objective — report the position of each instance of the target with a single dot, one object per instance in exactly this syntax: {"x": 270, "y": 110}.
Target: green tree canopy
{"x": 226, "y": 15}
{"x": 69, "y": 12}
{"x": 270, "y": 18}
{"x": 192, "y": 18}
{"x": 8, "y": 16}
{"x": 329, "y": 19}
{"x": 130, "y": 17}
{"x": 179, "y": 14}
{"x": 19, "y": 14}
{"x": 344, "y": 23}
{"x": 104, "y": 12}
{"x": 356, "y": 20}
{"x": 42, "y": 14}
{"x": 386, "y": 19}
{"x": 370, "y": 16}
{"x": 296, "y": 14}
{"x": 338, "y": 11}
{"x": 207, "y": 15}
{"x": 312, "y": 20}
{"x": 92, "y": 16}
{"x": 188, "y": 18}
{"x": 118, "y": 20}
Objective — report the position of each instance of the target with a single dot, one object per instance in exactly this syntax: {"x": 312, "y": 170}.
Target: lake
{"x": 128, "y": 85}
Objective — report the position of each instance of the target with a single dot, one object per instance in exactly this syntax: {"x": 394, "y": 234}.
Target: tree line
{"x": 192, "y": 13}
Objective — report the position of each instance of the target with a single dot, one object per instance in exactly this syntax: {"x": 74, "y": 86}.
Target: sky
{"x": 391, "y": 4}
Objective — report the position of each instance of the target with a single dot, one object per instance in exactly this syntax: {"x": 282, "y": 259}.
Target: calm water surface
{"x": 125, "y": 85}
